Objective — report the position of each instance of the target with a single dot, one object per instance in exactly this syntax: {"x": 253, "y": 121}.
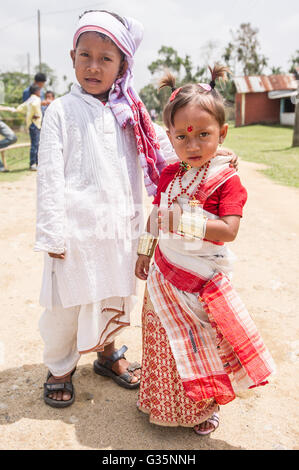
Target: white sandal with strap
{"x": 213, "y": 420}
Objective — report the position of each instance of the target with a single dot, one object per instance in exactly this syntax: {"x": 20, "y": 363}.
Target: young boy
{"x": 32, "y": 107}
{"x": 89, "y": 205}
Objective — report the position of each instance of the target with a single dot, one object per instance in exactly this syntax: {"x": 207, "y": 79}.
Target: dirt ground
{"x": 105, "y": 416}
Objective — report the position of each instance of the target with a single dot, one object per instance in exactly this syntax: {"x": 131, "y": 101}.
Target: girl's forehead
{"x": 192, "y": 115}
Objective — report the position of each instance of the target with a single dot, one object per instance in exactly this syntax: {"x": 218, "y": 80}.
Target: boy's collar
{"x": 77, "y": 90}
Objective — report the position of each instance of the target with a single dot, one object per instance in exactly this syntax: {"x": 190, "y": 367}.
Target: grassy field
{"x": 270, "y": 145}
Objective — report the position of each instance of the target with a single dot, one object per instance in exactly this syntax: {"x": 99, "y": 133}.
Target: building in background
{"x": 265, "y": 99}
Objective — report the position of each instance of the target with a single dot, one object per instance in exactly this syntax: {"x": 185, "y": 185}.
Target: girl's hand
{"x": 168, "y": 220}
{"x": 142, "y": 267}
{"x": 55, "y": 255}
{"x": 234, "y": 157}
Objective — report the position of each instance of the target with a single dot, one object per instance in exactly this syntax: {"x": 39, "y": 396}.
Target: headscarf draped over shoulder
{"x": 123, "y": 98}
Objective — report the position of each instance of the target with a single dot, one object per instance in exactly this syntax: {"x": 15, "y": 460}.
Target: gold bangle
{"x": 147, "y": 244}
{"x": 192, "y": 226}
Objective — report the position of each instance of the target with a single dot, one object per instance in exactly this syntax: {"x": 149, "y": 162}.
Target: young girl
{"x": 199, "y": 341}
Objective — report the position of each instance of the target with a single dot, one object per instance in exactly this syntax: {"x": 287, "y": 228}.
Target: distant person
{"x": 39, "y": 80}
{"x": 49, "y": 97}
{"x": 32, "y": 107}
{"x": 9, "y": 136}
{"x": 153, "y": 114}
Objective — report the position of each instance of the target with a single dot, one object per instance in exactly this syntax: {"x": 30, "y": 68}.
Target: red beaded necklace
{"x": 179, "y": 175}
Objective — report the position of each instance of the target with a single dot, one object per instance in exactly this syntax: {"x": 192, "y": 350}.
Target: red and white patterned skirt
{"x": 161, "y": 394}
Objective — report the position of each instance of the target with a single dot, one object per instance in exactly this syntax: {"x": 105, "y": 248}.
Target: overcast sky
{"x": 186, "y": 25}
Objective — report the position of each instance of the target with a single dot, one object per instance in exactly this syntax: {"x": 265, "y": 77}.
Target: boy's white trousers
{"x": 70, "y": 332}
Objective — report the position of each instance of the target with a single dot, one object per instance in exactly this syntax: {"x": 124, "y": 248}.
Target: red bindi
{"x": 190, "y": 129}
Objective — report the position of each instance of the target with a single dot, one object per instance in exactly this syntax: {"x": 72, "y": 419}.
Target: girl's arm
{"x": 50, "y": 235}
{"x": 224, "y": 229}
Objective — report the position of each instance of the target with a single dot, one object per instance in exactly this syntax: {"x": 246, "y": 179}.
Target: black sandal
{"x": 62, "y": 387}
{"x": 105, "y": 369}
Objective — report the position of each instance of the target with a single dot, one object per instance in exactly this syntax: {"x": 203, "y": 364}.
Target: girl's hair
{"x": 210, "y": 101}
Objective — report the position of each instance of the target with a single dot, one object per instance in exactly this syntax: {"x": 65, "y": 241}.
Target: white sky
{"x": 185, "y": 25}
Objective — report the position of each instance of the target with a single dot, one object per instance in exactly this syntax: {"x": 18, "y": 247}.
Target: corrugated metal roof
{"x": 273, "y": 95}
{"x": 262, "y": 83}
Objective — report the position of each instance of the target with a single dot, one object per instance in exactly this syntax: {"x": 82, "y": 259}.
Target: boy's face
{"x": 97, "y": 63}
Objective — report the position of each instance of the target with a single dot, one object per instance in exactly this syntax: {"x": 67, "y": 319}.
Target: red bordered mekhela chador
{"x": 199, "y": 341}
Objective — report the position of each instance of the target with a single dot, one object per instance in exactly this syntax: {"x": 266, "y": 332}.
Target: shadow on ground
{"x": 104, "y": 415}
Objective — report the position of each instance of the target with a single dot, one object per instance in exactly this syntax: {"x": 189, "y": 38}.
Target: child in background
{"x": 49, "y": 97}
{"x": 198, "y": 339}
{"x": 32, "y": 107}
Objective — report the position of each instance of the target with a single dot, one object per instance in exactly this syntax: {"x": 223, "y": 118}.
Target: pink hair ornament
{"x": 174, "y": 94}
{"x": 205, "y": 86}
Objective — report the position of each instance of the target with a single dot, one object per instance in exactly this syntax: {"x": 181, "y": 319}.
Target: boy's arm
{"x": 143, "y": 261}
{"x": 50, "y": 236}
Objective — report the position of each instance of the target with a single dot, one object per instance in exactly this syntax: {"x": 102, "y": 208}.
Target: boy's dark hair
{"x": 50, "y": 92}
{"x": 40, "y": 77}
{"x": 33, "y": 89}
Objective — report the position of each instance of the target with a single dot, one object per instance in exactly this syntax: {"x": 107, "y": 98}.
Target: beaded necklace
{"x": 193, "y": 199}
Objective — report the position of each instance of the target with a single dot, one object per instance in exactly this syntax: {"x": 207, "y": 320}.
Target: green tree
{"x": 276, "y": 70}
{"x": 294, "y": 62}
{"x": 14, "y": 84}
{"x": 244, "y": 51}
{"x": 181, "y": 67}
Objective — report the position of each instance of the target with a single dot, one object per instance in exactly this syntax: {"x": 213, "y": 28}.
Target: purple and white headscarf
{"x": 125, "y": 103}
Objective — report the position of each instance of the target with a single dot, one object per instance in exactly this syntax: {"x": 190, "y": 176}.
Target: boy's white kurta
{"x": 89, "y": 201}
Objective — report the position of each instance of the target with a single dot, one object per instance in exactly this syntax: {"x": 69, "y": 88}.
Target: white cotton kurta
{"x": 89, "y": 204}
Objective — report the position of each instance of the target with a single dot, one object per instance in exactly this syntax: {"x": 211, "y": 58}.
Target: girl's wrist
{"x": 192, "y": 225}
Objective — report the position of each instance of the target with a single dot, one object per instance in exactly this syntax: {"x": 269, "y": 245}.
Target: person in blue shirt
{"x": 39, "y": 80}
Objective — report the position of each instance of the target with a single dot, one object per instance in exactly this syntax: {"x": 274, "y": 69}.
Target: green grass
{"x": 269, "y": 145}
{"x": 17, "y": 160}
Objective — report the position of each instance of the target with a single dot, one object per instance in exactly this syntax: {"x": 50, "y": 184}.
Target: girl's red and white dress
{"x": 199, "y": 342}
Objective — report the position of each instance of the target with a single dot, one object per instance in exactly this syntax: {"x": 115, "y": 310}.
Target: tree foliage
{"x": 243, "y": 52}
{"x": 294, "y": 62}
{"x": 181, "y": 67}
{"x": 14, "y": 84}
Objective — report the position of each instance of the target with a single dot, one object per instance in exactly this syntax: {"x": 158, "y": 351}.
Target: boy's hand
{"x": 234, "y": 159}
{"x": 168, "y": 220}
{"x": 142, "y": 267}
{"x": 55, "y": 255}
